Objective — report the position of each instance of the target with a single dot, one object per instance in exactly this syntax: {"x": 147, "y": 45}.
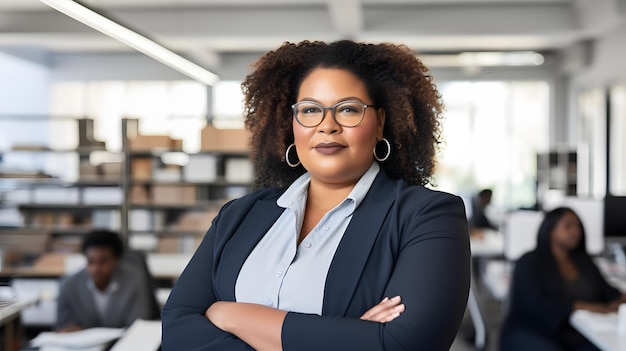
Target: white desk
{"x": 600, "y": 329}
{"x": 490, "y": 244}
{"x": 9, "y": 314}
{"x": 167, "y": 265}
{"x": 140, "y": 336}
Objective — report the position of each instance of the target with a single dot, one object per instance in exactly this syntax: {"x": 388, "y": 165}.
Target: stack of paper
{"x": 141, "y": 336}
{"x": 94, "y": 339}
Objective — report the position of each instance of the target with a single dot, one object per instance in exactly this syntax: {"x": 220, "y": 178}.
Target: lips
{"x": 329, "y": 148}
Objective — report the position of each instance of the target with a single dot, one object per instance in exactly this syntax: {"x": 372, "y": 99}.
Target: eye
{"x": 309, "y": 109}
{"x": 349, "y": 108}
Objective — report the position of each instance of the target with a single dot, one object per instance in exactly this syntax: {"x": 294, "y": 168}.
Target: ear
{"x": 380, "y": 117}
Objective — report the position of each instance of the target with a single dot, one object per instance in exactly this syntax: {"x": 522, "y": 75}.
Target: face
{"x": 101, "y": 262}
{"x": 330, "y": 152}
{"x": 567, "y": 233}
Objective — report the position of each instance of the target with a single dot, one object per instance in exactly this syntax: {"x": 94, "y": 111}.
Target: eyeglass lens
{"x": 347, "y": 114}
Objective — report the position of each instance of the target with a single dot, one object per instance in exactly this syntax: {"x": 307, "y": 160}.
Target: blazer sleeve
{"x": 544, "y": 311}
{"x": 185, "y": 327}
{"x": 431, "y": 274}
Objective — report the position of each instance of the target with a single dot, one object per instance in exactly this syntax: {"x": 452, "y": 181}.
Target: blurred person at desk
{"x": 479, "y": 222}
{"x": 109, "y": 292}
{"x": 551, "y": 282}
{"x": 343, "y": 248}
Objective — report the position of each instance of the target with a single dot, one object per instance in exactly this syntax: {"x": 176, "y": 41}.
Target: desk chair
{"x": 138, "y": 259}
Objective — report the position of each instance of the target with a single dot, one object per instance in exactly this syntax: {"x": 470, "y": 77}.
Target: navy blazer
{"x": 402, "y": 240}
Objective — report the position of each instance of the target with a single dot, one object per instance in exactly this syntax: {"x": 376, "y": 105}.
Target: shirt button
{"x": 307, "y": 244}
{"x": 278, "y": 274}
{"x": 270, "y": 303}
{"x": 325, "y": 228}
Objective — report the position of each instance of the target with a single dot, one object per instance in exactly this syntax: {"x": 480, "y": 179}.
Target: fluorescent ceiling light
{"x": 484, "y": 59}
{"x": 136, "y": 41}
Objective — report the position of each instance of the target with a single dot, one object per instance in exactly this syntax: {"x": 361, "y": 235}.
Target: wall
{"x": 23, "y": 86}
{"x": 23, "y": 91}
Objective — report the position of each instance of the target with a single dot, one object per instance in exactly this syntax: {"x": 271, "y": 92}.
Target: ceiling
{"x": 207, "y": 31}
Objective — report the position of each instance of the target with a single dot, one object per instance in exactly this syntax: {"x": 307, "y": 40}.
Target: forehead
{"x": 99, "y": 252}
{"x": 331, "y": 85}
{"x": 568, "y": 218}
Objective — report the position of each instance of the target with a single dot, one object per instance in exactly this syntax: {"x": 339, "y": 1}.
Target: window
{"x": 493, "y": 132}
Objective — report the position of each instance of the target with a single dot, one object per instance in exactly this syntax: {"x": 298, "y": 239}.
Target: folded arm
{"x": 260, "y": 326}
{"x": 185, "y": 326}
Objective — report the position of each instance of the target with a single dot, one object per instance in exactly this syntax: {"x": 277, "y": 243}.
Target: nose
{"x": 328, "y": 125}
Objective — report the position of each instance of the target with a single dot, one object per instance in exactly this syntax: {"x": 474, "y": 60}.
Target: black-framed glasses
{"x": 346, "y": 113}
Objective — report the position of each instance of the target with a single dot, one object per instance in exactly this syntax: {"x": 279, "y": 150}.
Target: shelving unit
{"x": 172, "y": 196}
{"x": 159, "y": 198}
{"x": 556, "y": 175}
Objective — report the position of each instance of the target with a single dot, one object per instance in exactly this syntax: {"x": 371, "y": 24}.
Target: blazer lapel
{"x": 255, "y": 223}
{"x": 355, "y": 246}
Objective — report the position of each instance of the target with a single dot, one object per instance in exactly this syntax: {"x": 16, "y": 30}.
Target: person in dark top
{"x": 479, "y": 219}
{"x": 551, "y": 282}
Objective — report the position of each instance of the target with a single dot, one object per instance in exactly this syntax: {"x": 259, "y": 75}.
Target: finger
{"x": 387, "y": 315}
{"x": 382, "y": 306}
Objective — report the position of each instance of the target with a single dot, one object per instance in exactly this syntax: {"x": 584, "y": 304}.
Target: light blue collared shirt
{"x": 281, "y": 274}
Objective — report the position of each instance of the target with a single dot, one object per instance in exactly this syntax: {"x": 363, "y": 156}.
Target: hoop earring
{"x": 384, "y": 158}
{"x": 292, "y": 165}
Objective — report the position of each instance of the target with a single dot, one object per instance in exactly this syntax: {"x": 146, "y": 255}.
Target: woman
{"x": 343, "y": 248}
{"x": 551, "y": 282}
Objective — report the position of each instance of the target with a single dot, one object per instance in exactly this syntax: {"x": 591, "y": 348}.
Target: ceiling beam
{"x": 346, "y": 16}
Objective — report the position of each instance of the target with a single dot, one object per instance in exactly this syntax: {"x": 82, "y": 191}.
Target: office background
{"x": 535, "y": 93}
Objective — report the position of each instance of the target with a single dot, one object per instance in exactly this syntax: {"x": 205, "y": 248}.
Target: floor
{"x": 492, "y": 309}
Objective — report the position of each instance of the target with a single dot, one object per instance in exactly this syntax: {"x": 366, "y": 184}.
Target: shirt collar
{"x": 111, "y": 288}
{"x": 297, "y": 191}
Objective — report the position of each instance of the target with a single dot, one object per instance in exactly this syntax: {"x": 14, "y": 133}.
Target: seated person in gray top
{"x": 107, "y": 293}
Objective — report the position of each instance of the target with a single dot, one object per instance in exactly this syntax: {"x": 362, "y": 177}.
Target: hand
{"x": 386, "y": 310}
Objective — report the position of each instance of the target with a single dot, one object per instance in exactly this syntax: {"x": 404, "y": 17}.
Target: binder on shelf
{"x": 201, "y": 168}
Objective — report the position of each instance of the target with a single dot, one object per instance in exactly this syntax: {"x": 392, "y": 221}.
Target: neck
{"x": 102, "y": 285}
{"x": 560, "y": 254}
{"x": 327, "y": 196}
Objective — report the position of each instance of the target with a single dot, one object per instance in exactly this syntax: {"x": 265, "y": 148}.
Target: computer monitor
{"x": 615, "y": 217}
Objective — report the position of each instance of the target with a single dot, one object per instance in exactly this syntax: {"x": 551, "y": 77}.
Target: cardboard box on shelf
{"x": 138, "y": 195}
{"x": 87, "y": 171}
{"x": 149, "y": 142}
{"x": 141, "y": 168}
{"x": 112, "y": 168}
{"x": 173, "y": 194}
{"x": 168, "y": 245}
{"x": 234, "y": 140}
{"x": 195, "y": 221}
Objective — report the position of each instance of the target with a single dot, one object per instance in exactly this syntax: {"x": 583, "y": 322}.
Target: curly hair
{"x": 395, "y": 79}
